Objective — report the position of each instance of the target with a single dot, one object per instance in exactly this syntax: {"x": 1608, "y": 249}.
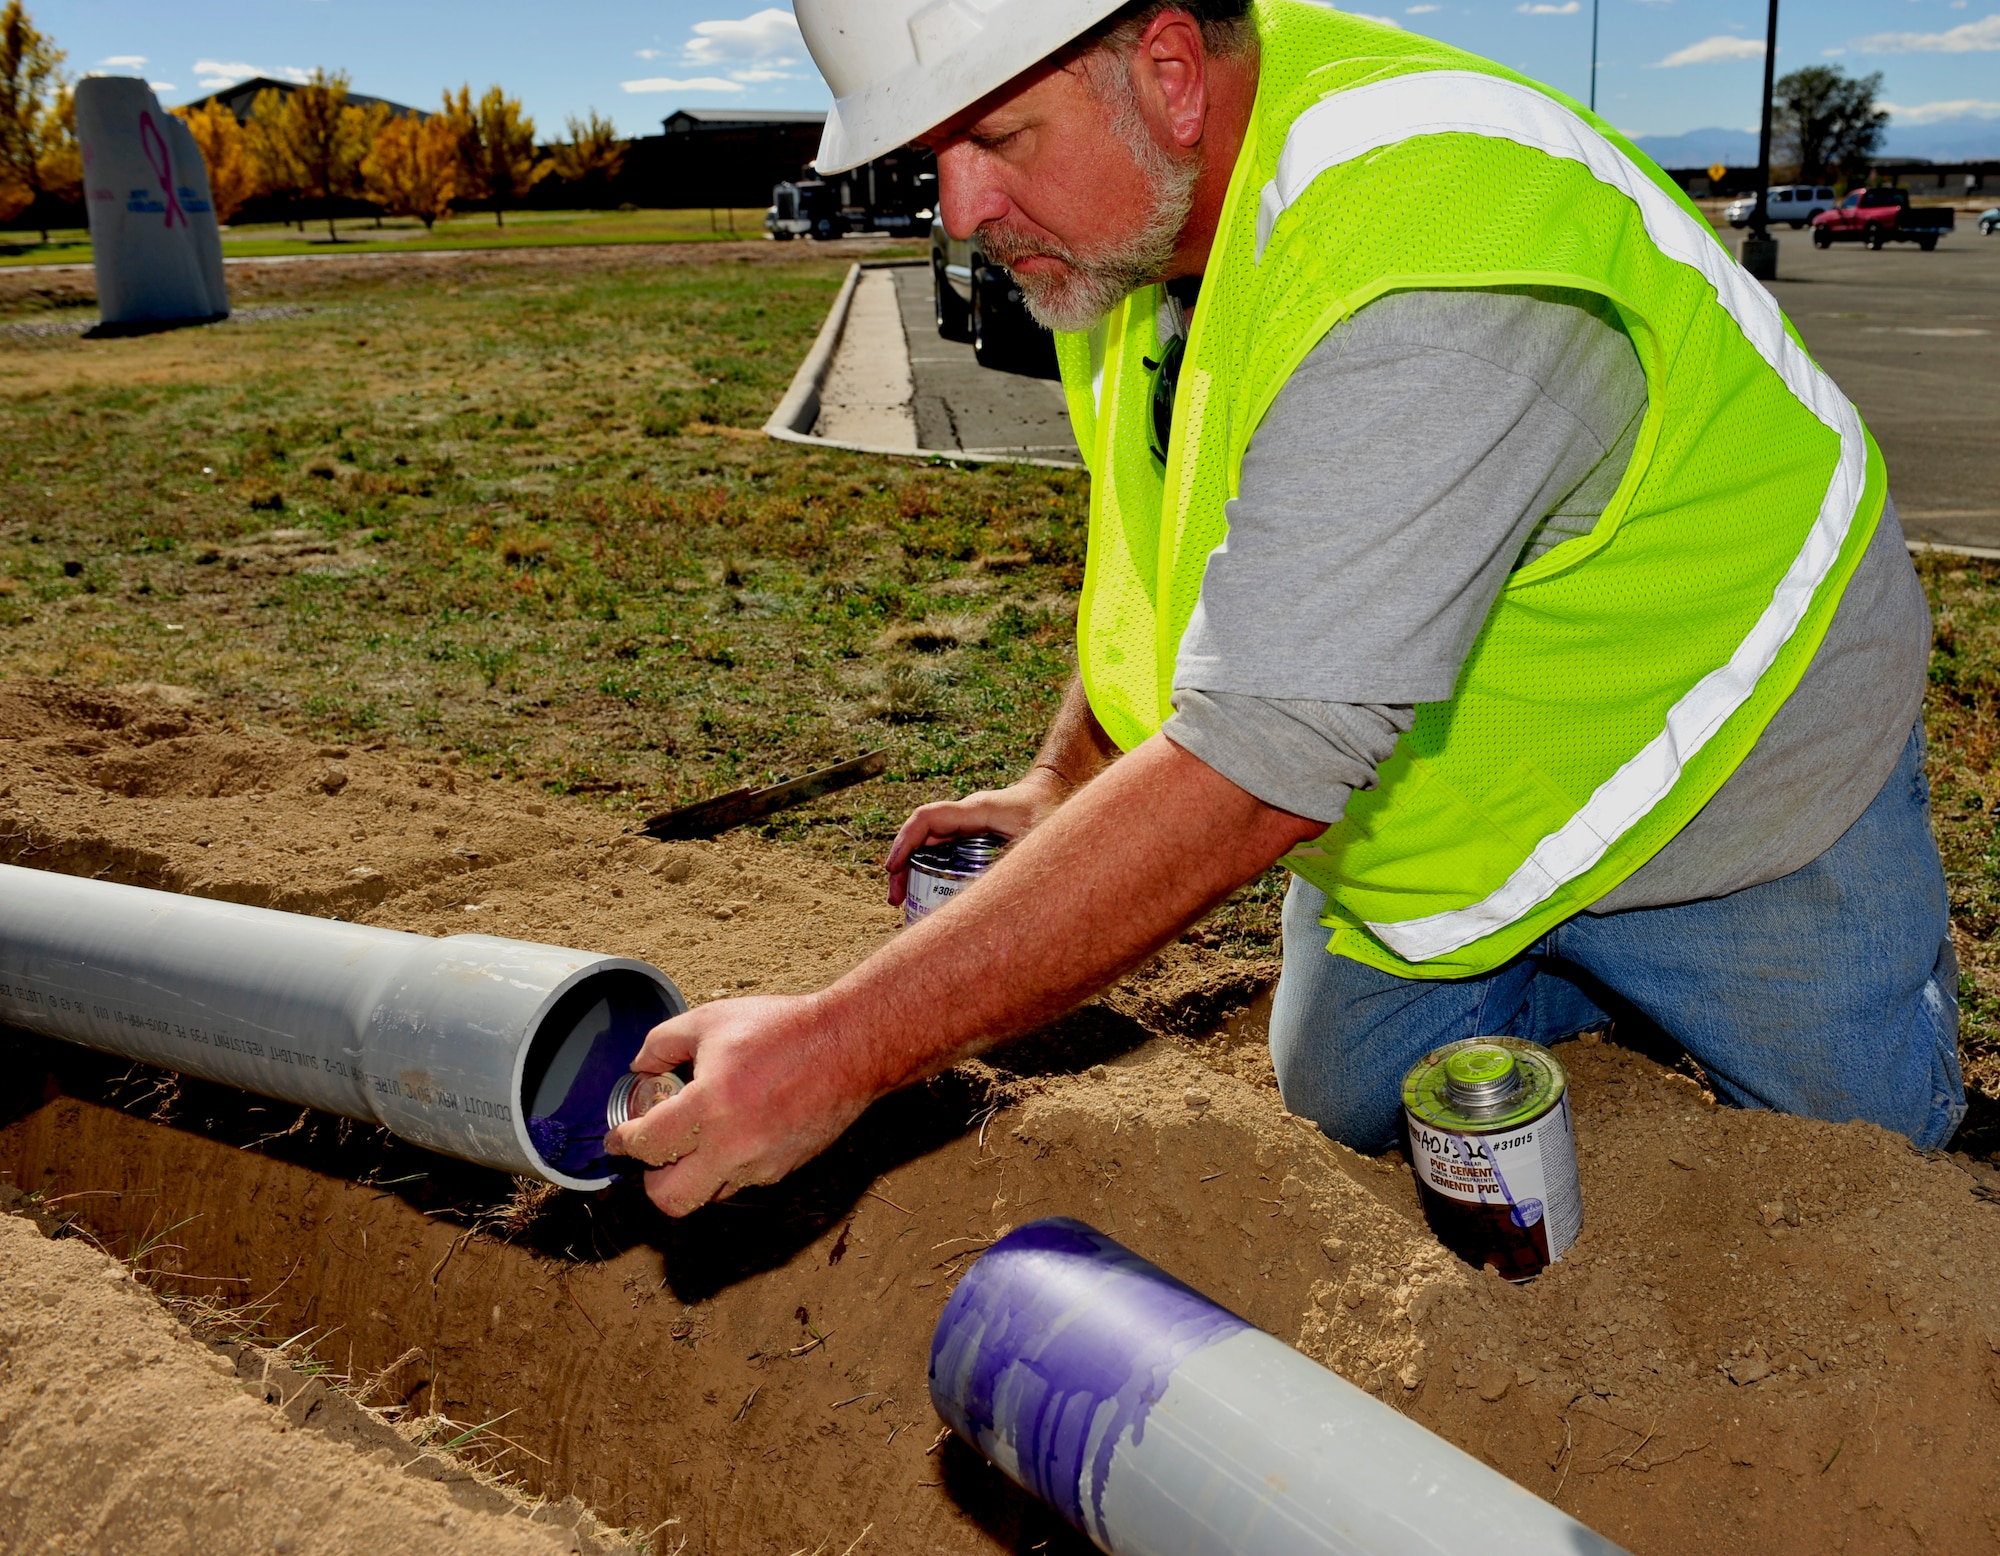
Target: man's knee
{"x": 1898, "y": 1069}
{"x": 1350, "y": 1102}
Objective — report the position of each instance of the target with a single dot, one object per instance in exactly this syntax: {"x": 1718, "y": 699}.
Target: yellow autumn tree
{"x": 225, "y": 149}
{"x": 38, "y": 154}
{"x": 61, "y": 161}
{"x": 330, "y": 137}
{"x": 592, "y": 154}
{"x": 496, "y": 149}
{"x": 412, "y": 169}
{"x": 276, "y": 165}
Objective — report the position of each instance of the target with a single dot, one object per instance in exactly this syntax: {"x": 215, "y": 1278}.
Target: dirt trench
{"x": 1773, "y": 1331}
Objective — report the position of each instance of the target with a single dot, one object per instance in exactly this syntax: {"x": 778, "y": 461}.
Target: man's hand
{"x": 770, "y": 1091}
{"x": 1012, "y": 812}
{"x": 1139, "y": 853}
{"x": 1075, "y": 750}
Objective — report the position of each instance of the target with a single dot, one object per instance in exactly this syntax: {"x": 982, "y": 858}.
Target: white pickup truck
{"x": 1793, "y": 203}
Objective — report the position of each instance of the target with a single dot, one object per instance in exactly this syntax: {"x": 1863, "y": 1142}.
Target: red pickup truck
{"x": 1878, "y": 216}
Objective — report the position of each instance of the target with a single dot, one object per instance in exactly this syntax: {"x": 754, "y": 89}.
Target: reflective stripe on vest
{"x": 1353, "y": 123}
{"x": 1618, "y": 679}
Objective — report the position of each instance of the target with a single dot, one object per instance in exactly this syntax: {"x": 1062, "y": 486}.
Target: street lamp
{"x": 1760, "y": 249}
{"x": 1593, "y": 54}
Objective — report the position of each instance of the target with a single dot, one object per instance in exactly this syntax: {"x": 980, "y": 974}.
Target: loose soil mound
{"x": 119, "y": 1432}
{"x": 1773, "y": 1331}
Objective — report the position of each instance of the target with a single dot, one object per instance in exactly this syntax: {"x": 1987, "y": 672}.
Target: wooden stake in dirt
{"x": 709, "y": 817}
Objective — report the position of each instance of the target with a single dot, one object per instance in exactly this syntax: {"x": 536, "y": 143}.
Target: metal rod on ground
{"x": 706, "y": 818}
{"x": 1157, "y": 1422}
{"x": 1760, "y": 249}
{"x": 497, "y": 1051}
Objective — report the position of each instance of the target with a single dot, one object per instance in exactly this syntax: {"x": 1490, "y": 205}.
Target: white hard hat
{"x": 900, "y": 67}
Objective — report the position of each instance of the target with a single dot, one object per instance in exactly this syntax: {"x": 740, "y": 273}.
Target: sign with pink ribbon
{"x": 154, "y": 144}
{"x": 153, "y": 234}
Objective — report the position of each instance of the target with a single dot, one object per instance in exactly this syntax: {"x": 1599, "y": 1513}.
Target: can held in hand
{"x": 940, "y": 871}
{"x": 634, "y": 1096}
{"x": 1488, "y": 1125}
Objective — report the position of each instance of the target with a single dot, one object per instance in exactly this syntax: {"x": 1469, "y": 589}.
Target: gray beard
{"x": 1092, "y": 283}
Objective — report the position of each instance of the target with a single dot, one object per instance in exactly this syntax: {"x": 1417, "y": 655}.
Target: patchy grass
{"x": 516, "y": 508}
{"x": 1962, "y": 718}
{"x": 400, "y": 234}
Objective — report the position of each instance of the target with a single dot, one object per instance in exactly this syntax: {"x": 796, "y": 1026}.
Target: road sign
{"x": 1715, "y": 173}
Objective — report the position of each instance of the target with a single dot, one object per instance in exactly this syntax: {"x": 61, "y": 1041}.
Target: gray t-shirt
{"x": 1426, "y": 448}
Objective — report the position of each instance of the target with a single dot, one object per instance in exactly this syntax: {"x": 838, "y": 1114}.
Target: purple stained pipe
{"x": 1157, "y": 1421}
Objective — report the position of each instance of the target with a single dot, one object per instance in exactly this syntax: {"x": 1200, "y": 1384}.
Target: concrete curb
{"x": 1977, "y": 553}
{"x": 798, "y": 411}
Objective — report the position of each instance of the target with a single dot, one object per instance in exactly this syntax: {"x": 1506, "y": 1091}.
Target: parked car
{"x": 1794, "y": 203}
{"x": 978, "y": 301}
{"x": 806, "y": 209}
{"x": 1989, "y": 222}
{"x": 1879, "y": 216}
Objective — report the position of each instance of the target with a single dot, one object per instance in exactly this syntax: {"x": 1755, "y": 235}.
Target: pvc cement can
{"x": 634, "y": 1096}
{"x": 941, "y": 871}
{"x": 1490, "y": 1141}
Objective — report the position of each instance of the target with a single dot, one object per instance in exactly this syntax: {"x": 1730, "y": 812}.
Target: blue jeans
{"x": 1830, "y": 992}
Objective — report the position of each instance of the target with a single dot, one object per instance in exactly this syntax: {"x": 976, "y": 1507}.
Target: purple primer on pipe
{"x": 1055, "y": 1346}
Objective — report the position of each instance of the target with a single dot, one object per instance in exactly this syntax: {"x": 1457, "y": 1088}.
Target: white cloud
{"x": 770, "y": 34}
{"x": 125, "y": 61}
{"x": 1543, "y": 8}
{"x": 669, "y": 84}
{"x": 1421, "y": 10}
{"x": 759, "y": 73}
{"x": 1714, "y": 51}
{"x": 1977, "y": 37}
{"x": 650, "y": 53}
{"x": 163, "y": 86}
{"x": 1955, "y": 108}
{"x": 212, "y": 75}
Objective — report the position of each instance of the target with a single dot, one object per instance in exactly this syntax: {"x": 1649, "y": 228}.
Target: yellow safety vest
{"x": 1620, "y": 678}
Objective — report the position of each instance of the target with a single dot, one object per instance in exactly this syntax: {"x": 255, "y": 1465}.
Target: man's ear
{"x": 1170, "y": 70}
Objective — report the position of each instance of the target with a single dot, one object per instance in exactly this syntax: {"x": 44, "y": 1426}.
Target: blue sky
{"x": 1666, "y": 65}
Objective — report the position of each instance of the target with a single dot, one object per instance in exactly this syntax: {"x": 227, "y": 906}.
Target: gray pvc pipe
{"x": 1158, "y": 1422}
{"x": 497, "y": 1051}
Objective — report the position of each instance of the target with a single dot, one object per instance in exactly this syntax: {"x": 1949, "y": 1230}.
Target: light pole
{"x": 1593, "y": 54}
{"x": 1760, "y": 249}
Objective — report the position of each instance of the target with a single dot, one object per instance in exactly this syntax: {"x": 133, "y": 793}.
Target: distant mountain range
{"x": 1948, "y": 140}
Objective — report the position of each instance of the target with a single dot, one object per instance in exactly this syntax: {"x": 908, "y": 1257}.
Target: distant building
{"x": 241, "y": 99}
{"x": 1945, "y": 180}
{"x": 1962, "y": 179}
{"x": 723, "y": 157}
{"x": 709, "y": 121}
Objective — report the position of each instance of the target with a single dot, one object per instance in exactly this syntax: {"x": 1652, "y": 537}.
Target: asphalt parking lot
{"x": 961, "y": 405}
{"x": 1914, "y": 340}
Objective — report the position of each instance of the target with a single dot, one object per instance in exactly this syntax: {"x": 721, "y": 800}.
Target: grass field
{"x": 400, "y": 234}
{"x": 514, "y": 507}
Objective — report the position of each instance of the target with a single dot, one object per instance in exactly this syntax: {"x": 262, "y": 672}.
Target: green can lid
{"x": 1480, "y": 1066}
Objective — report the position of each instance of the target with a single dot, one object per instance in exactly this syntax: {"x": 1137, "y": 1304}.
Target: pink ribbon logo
{"x": 154, "y": 144}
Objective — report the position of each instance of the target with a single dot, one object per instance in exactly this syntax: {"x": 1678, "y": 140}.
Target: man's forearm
{"x": 1076, "y": 749}
{"x": 1116, "y": 873}
{"x": 1104, "y": 881}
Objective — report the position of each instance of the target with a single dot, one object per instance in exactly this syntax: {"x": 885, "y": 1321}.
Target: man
{"x": 1467, "y": 532}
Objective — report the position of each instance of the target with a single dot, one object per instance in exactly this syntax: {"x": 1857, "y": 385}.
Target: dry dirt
{"x": 1773, "y": 1332}
{"x": 120, "y": 1432}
